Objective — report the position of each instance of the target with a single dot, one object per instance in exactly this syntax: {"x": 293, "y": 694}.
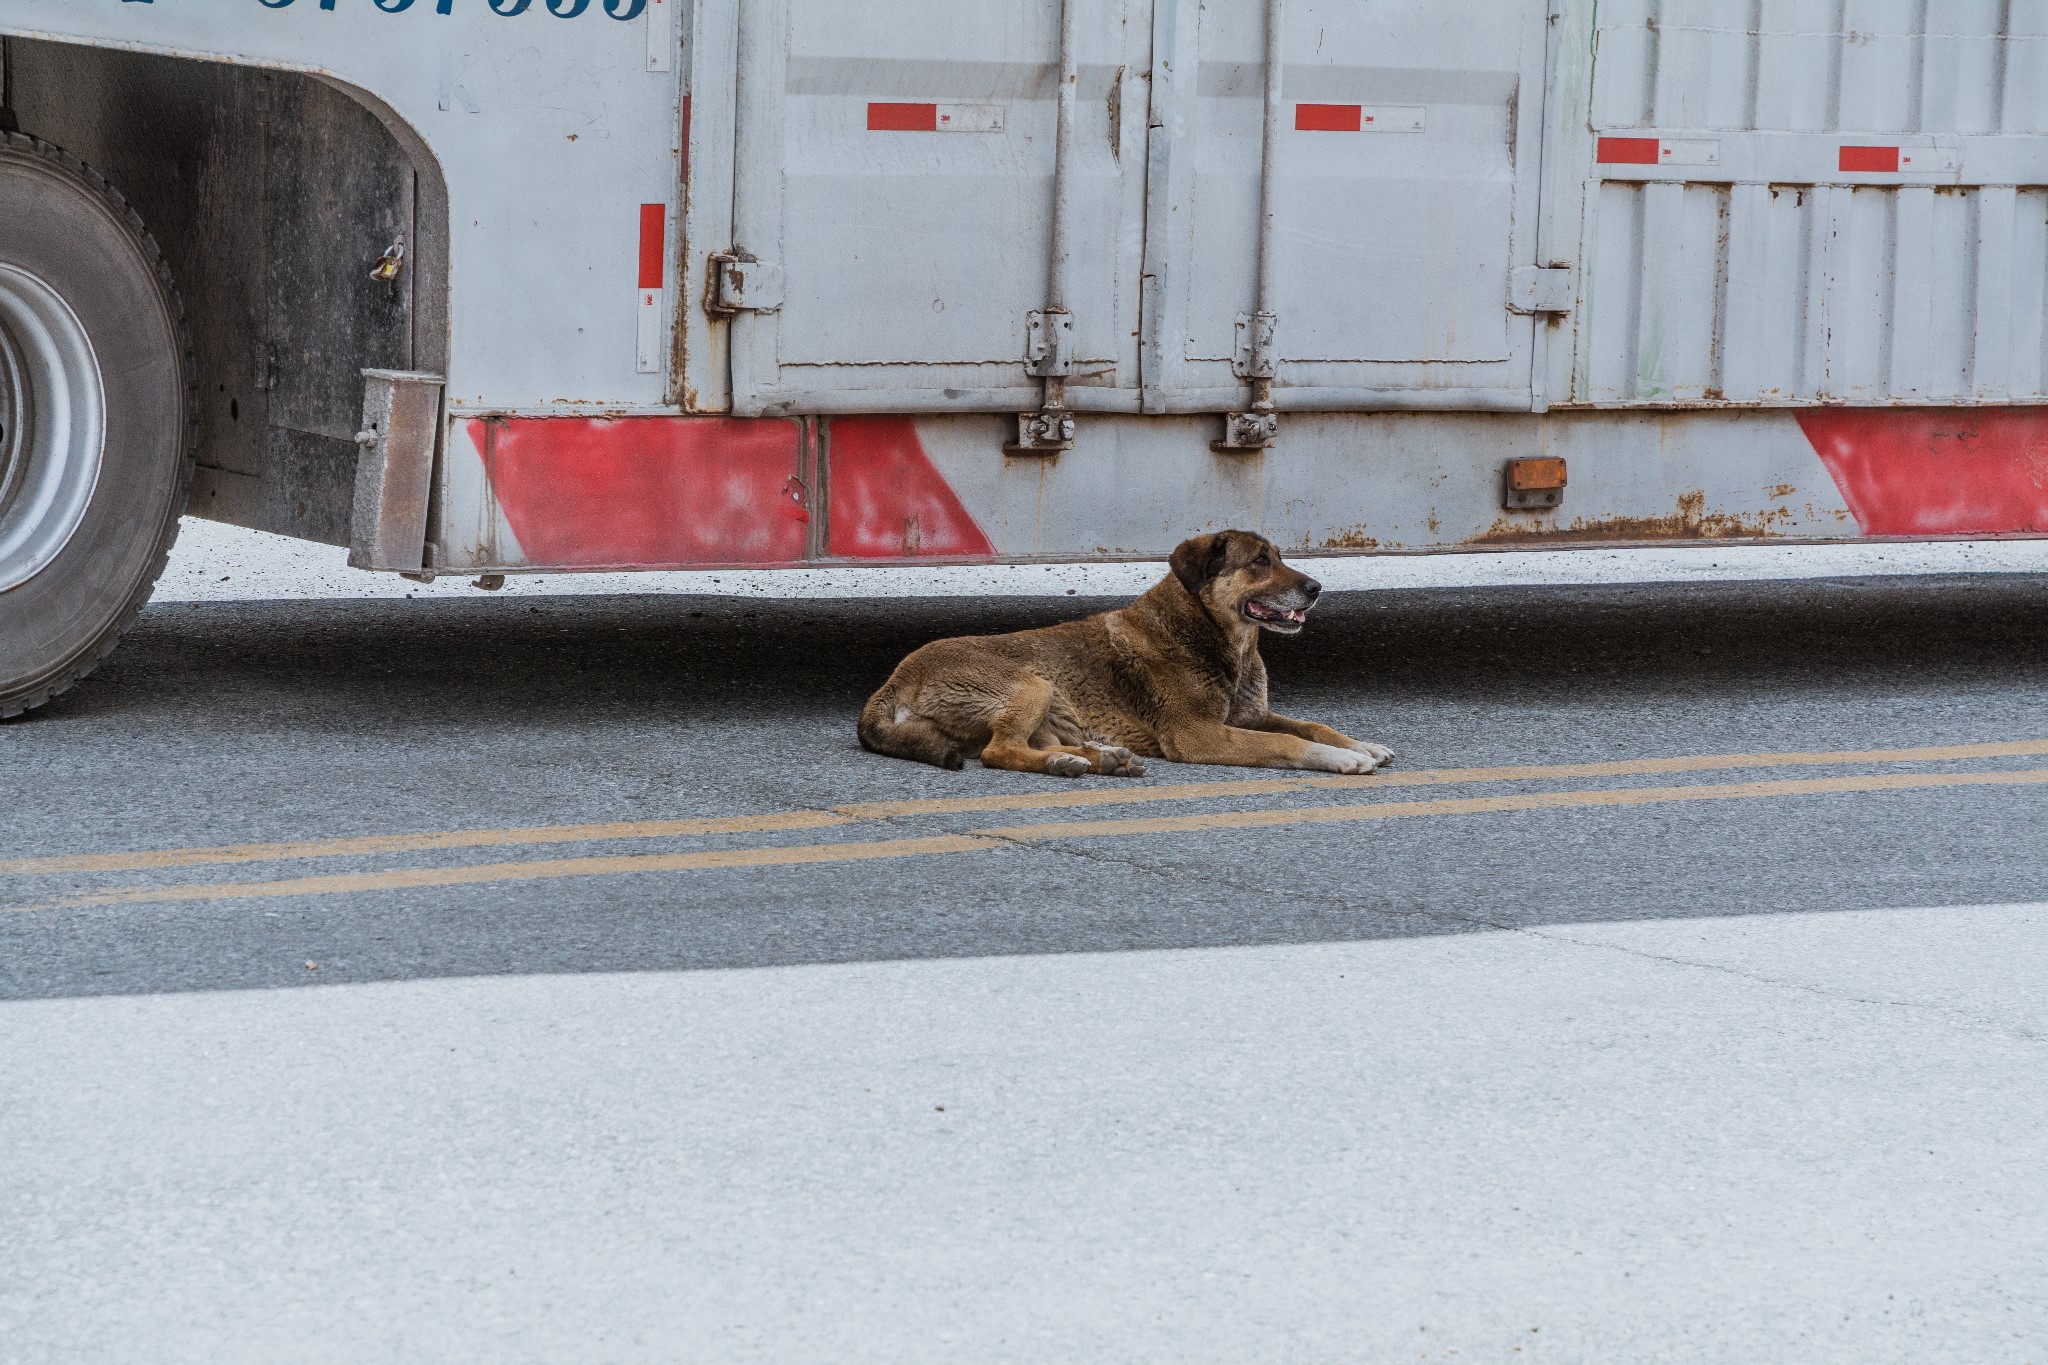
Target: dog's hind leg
{"x": 888, "y": 728}
{"x": 1023, "y": 740}
{"x": 1011, "y": 730}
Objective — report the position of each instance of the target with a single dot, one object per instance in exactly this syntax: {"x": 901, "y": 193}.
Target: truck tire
{"x": 98, "y": 419}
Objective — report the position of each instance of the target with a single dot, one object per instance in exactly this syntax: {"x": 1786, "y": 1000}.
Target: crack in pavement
{"x": 1465, "y": 920}
{"x": 1988, "y": 1022}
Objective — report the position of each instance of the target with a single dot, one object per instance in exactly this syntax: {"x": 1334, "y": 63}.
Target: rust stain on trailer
{"x": 1690, "y": 521}
{"x": 1354, "y": 538}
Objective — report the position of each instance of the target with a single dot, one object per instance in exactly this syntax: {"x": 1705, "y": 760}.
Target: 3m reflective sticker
{"x": 1358, "y": 118}
{"x": 661, "y": 34}
{"x": 970, "y": 118}
{"x": 1391, "y": 118}
{"x": 1930, "y": 160}
{"x": 647, "y": 302}
{"x": 1689, "y": 152}
{"x": 936, "y": 118}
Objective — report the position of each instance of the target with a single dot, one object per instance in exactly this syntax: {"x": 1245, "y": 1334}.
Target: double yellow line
{"x": 1002, "y": 836}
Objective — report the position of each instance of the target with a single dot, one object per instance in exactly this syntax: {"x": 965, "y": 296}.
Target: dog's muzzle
{"x": 1273, "y": 616}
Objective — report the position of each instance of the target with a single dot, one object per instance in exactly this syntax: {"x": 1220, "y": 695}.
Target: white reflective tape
{"x": 661, "y": 34}
{"x": 1689, "y": 152}
{"x": 1390, "y": 118}
{"x": 647, "y": 304}
{"x": 970, "y": 118}
{"x": 1929, "y": 160}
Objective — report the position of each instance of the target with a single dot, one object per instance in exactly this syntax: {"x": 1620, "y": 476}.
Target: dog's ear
{"x": 1198, "y": 559}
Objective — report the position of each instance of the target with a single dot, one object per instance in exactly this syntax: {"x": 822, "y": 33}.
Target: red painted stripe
{"x": 903, "y": 118}
{"x": 1937, "y": 471}
{"x": 1628, "y": 151}
{"x": 653, "y": 241}
{"x": 1869, "y": 159}
{"x": 1327, "y": 118}
{"x": 647, "y": 492}
{"x": 888, "y": 501}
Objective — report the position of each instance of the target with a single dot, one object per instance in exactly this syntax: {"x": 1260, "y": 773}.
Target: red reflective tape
{"x": 685, "y": 169}
{"x": 1627, "y": 151}
{"x": 1327, "y": 118}
{"x": 646, "y": 492}
{"x": 653, "y": 240}
{"x": 903, "y": 118}
{"x": 887, "y": 499}
{"x": 1936, "y": 471}
{"x": 1869, "y": 159}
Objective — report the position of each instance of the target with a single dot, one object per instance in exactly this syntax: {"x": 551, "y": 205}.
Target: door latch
{"x": 741, "y": 284}
{"x": 1540, "y": 289}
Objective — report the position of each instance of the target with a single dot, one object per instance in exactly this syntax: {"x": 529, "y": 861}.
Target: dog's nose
{"x": 1312, "y": 588}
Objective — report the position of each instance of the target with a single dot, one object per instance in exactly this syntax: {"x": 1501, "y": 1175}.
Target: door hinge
{"x": 1048, "y": 342}
{"x": 1540, "y": 289}
{"x": 741, "y": 284}
{"x": 1254, "y": 357}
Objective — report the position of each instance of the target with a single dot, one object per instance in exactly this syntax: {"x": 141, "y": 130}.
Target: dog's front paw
{"x": 1328, "y": 758}
{"x": 1113, "y": 761}
{"x": 1380, "y": 754}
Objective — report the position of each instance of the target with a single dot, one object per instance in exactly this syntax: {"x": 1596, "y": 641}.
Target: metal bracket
{"x": 394, "y": 470}
{"x": 1532, "y": 484}
{"x": 1045, "y": 432}
{"x": 1540, "y": 289}
{"x": 741, "y": 284}
{"x": 1048, "y": 342}
{"x": 1254, "y": 357}
{"x": 1248, "y": 431}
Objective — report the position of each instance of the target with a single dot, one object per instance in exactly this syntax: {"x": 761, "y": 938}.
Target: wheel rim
{"x": 52, "y": 425}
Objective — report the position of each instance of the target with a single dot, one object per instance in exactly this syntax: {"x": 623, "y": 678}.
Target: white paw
{"x": 1328, "y": 758}
{"x": 1380, "y": 754}
{"x": 1068, "y": 765}
{"x": 1117, "y": 762}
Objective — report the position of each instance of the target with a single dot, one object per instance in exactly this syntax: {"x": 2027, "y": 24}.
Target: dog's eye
{"x": 1262, "y": 561}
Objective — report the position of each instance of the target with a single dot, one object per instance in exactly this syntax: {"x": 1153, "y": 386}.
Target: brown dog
{"x": 1175, "y": 675}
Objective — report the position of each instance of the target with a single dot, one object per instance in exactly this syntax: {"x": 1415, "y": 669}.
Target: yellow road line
{"x": 1113, "y": 792}
{"x": 418, "y": 843}
{"x": 1118, "y": 795}
{"x": 1011, "y": 835}
{"x": 1473, "y": 805}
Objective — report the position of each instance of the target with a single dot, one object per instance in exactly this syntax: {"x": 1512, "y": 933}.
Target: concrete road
{"x": 502, "y": 979}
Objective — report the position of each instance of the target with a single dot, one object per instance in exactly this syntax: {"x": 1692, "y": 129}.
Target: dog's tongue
{"x": 1264, "y": 612}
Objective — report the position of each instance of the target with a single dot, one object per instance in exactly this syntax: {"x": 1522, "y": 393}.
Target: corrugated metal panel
{"x": 896, "y": 162}
{"x": 1405, "y": 176}
{"x": 1407, "y": 179}
{"x": 1817, "y": 200}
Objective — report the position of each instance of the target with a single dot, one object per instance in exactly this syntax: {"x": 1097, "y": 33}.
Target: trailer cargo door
{"x": 1406, "y": 172}
{"x": 1809, "y": 201}
{"x": 893, "y": 201}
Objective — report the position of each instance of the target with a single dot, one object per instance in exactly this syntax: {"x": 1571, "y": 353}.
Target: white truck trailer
{"x": 493, "y": 286}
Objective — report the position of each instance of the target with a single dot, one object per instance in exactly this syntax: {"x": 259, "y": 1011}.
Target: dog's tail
{"x": 887, "y": 727}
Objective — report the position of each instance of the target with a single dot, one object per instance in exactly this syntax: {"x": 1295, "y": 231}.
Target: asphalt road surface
{"x": 504, "y": 980}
